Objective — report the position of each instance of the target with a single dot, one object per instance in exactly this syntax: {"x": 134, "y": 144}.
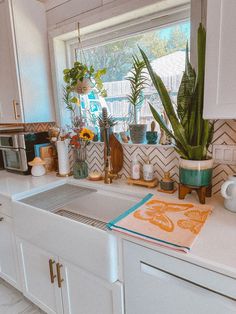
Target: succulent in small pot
{"x": 152, "y": 135}
{"x": 138, "y": 81}
{"x": 81, "y": 79}
{"x": 191, "y": 133}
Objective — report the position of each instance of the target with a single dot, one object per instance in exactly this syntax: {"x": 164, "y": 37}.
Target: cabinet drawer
{"x": 5, "y": 206}
{"x": 151, "y": 261}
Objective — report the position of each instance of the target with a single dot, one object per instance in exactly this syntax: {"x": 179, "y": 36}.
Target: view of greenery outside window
{"x": 165, "y": 48}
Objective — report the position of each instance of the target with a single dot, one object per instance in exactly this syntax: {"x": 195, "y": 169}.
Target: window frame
{"x": 62, "y": 45}
{"x": 127, "y": 29}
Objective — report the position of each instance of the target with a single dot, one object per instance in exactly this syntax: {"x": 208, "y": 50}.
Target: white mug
{"x": 228, "y": 191}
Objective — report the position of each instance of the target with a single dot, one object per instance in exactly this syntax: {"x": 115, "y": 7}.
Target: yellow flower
{"x": 86, "y": 134}
{"x": 78, "y": 102}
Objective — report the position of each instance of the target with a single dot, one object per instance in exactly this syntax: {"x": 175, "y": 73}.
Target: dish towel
{"x": 172, "y": 224}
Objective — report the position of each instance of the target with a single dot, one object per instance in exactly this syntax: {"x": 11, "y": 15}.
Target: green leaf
{"x": 167, "y": 103}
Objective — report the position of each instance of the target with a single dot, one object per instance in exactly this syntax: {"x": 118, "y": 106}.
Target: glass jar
{"x": 80, "y": 167}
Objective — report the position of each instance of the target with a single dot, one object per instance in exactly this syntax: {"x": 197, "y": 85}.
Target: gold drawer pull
{"x": 59, "y": 278}
{"x": 52, "y": 276}
{"x": 17, "y": 116}
{"x": 1, "y": 218}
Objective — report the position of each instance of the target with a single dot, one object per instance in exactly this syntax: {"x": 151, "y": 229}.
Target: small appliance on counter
{"x": 18, "y": 149}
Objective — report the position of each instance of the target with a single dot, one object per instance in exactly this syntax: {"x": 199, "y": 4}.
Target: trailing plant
{"x": 73, "y": 105}
{"x": 191, "y": 133}
{"x": 138, "y": 81}
{"x": 81, "y": 71}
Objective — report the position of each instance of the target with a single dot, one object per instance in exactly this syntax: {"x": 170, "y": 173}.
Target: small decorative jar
{"x": 38, "y": 168}
{"x": 167, "y": 184}
{"x": 80, "y": 167}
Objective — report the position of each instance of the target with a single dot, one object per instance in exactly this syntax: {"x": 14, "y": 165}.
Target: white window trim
{"x": 62, "y": 50}
{"x": 128, "y": 29}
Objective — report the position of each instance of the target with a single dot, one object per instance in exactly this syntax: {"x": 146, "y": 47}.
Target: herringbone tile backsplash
{"x": 164, "y": 158}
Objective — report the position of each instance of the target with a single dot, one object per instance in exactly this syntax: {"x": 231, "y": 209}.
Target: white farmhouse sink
{"x": 39, "y": 220}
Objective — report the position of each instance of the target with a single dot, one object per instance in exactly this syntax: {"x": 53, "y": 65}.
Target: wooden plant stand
{"x": 202, "y": 192}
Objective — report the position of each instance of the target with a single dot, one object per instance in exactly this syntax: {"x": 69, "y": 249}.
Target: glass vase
{"x": 80, "y": 167}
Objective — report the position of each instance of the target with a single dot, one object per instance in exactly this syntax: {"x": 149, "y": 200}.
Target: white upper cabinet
{"x": 220, "y": 80}
{"x": 9, "y": 96}
{"x": 25, "y": 91}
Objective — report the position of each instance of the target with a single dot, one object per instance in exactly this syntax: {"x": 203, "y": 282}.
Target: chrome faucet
{"x": 109, "y": 175}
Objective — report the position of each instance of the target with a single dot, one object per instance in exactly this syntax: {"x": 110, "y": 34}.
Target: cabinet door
{"x": 220, "y": 91}
{"x": 37, "y": 285}
{"x": 83, "y": 293}
{"x": 149, "y": 289}
{"x": 8, "y": 256}
{"x": 10, "y": 111}
{"x": 31, "y": 41}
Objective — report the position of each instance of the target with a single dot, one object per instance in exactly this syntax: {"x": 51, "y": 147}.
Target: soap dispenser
{"x": 135, "y": 168}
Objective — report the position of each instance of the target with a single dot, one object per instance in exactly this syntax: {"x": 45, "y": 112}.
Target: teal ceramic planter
{"x": 196, "y": 172}
{"x": 152, "y": 137}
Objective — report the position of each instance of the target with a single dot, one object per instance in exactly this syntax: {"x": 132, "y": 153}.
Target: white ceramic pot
{"x": 228, "y": 191}
{"x": 84, "y": 87}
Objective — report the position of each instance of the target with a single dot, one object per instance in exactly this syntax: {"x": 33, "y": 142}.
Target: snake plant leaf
{"x": 185, "y": 94}
{"x": 195, "y": 152}
{"x": 163, "y": 126}
{"x": 201, "y": 73}
{"x": 166, "y": 102}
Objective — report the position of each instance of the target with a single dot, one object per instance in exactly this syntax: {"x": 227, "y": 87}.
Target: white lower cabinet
{"x": 36, "y": 277}
{"x": 8, "y": 256}
{"x": 83, "y": 293}
{"x": 57, "y": 286}
{"x": 153, "y": 285}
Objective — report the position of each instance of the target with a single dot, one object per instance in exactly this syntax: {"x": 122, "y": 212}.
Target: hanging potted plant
{"x": 191, "y": 133}
{"x": 137, "y": 81}
{"x": 81, "y": 79}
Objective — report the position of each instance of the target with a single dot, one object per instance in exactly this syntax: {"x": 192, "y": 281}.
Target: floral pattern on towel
{"x": 157, "y": 213}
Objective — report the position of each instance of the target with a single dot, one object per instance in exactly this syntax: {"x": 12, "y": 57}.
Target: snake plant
{"x": 191, "y": 133}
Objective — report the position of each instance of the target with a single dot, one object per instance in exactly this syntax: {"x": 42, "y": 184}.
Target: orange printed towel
{"x": 168, "y": 223}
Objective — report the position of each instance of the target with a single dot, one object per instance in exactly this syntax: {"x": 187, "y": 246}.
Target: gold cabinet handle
{"x": 1, "y": 218}
{"x": 52, "y": 276}
{"x": 17, "y": 116}
{"x": 59, "y": 278}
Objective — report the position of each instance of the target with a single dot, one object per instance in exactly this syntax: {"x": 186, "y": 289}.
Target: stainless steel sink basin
{"x": 82, "y": 204}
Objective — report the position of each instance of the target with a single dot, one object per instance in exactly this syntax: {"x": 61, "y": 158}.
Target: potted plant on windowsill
{"x": 191, "y": 133}
{"x": 137, "y": 81}
{"x": 81, "y": 79}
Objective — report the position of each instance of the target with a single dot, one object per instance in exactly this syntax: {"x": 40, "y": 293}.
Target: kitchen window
{"x": 165, "y": 47}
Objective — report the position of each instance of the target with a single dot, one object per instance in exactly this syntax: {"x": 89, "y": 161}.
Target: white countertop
{"x": 215, "y": 247}
{"x": 15, "y": 185}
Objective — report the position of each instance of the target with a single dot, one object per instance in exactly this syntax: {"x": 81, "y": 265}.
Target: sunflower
{"x": 86, "y": 134}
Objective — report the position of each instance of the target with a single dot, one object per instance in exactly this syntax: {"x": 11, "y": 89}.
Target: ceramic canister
{"x": 228, "y": 191}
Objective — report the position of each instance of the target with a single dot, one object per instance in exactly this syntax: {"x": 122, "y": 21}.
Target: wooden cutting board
{"x": 117, "y": 155}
